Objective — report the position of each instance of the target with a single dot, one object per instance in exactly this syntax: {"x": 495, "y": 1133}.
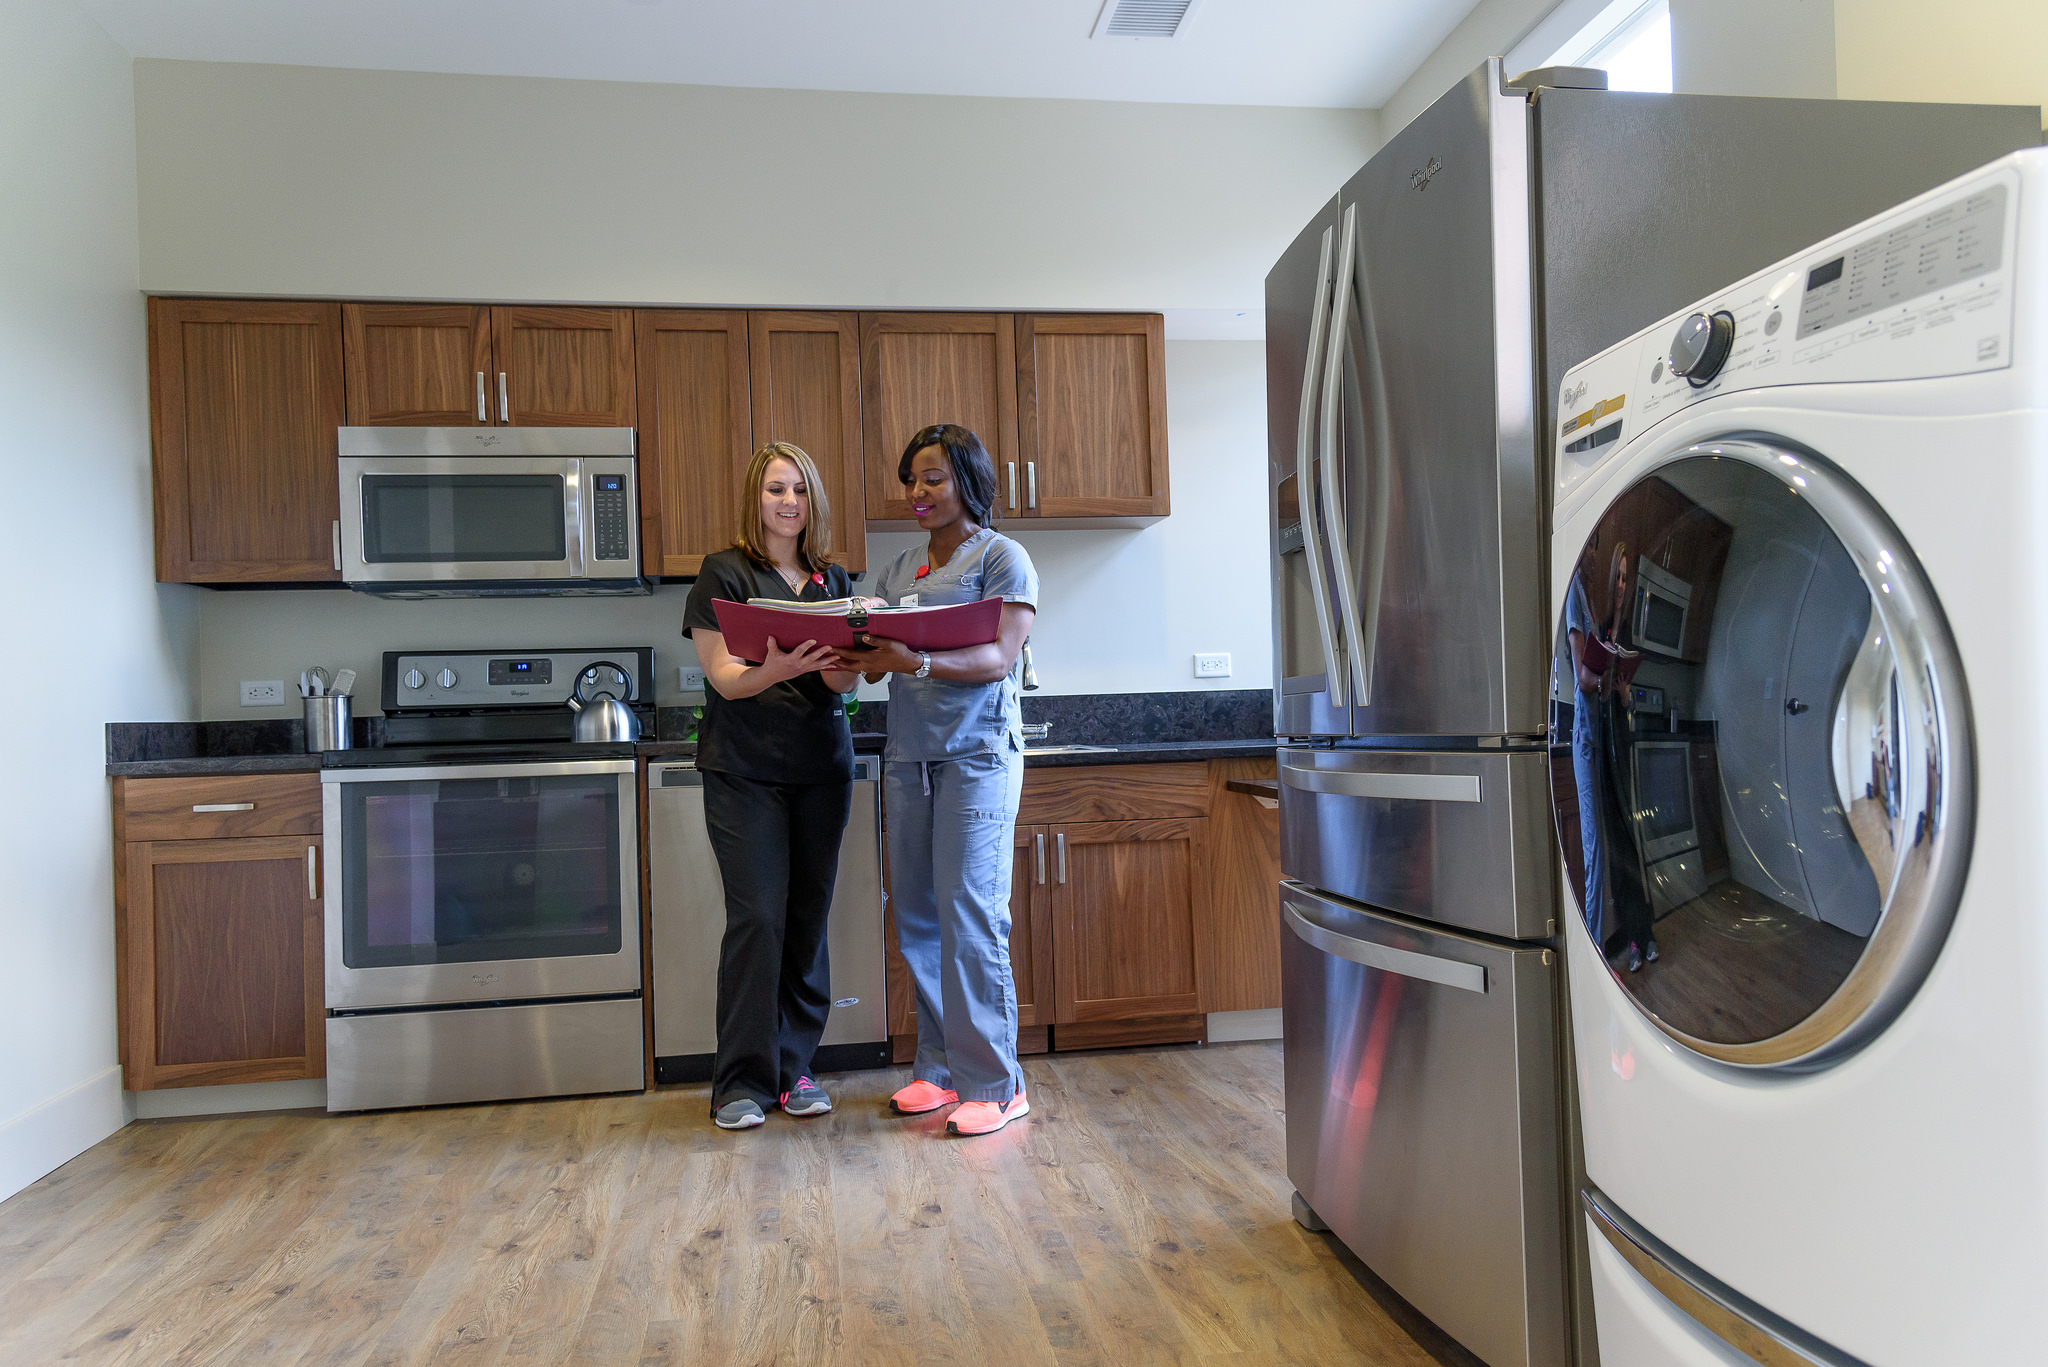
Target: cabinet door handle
{"x": 1038, "y": 840}
{"x": 337, "y": 543}
{"x": 1013, "y": 484}
{"x": 483, "y": 413}
{"x": 1060, "y": 841}
{"x": 1031, "y": 484}
{"x": 223, "y": 806}
{"x": 504, "y": 404}
{"x": 312, "y": 873}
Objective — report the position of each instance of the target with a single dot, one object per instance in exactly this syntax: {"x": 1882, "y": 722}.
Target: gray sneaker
{"x": 806, "y": 1098}
{"x": 738, "y": 1115}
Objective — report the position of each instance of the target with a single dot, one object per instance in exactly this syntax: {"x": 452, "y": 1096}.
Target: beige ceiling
{"x": 1317, "y": 53}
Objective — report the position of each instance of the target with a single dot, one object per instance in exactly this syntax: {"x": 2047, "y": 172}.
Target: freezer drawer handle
{"x": 1406, "y": 962}
{"x": 1722, "y": 1312}
{"x": 1413, "y": 787}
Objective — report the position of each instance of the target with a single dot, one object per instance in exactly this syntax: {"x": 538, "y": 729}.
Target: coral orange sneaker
{"x": 921, "y": 1096}
{"x": 986, "y": 1117}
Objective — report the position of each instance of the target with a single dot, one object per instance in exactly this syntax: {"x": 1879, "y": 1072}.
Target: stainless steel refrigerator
{"x": 1416, "y": 334}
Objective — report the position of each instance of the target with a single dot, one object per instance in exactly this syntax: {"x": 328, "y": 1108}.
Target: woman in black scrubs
{"x": 777, "y": 760}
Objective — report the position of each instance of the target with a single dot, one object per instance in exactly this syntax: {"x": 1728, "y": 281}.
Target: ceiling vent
{"x": 1143, "y": 18}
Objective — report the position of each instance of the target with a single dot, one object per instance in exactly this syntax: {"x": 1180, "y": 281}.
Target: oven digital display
{"x": 522, "y": 671}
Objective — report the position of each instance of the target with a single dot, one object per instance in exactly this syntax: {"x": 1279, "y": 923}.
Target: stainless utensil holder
{"x": 328, "y": 723}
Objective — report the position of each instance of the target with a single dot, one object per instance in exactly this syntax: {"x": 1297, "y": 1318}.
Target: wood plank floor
{"x": 1139, "y": 1216}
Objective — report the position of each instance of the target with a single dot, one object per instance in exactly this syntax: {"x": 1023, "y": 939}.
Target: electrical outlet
{"x": 1212, "y": 666}
{"x": 262, "y": 692}
{"x": 689, "y": 679}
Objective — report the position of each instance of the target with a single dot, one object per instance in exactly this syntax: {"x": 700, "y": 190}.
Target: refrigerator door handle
{"x": 1357, "y": 783}
{"x": 1304, "y": 473}
{"x": 1386, "y": 958}
{"x": 1333, "y": 503}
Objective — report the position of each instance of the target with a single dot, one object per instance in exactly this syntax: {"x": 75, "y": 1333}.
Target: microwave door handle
{"x": 578, "y": 518}
{"x": 1304, "y": 473}
{"x": 1333, "y": 503}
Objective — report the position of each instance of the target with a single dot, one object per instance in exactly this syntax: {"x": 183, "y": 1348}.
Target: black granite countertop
{"x": 1138, "y": 728}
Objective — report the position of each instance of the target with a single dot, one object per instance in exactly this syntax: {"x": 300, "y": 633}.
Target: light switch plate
{"x": 262, "y": 692}
{"x": 1215, "y": 666}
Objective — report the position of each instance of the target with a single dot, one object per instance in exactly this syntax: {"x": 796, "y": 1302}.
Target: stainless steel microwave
{"x": 436, "y": 512}
{"x": 1663, "y": 602}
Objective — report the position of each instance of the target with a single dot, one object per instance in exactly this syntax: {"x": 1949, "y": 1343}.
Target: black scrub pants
{"x": 778, "y": 852}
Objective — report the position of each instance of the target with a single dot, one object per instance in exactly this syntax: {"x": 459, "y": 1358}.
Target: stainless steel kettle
{"x": 600, "y": 714}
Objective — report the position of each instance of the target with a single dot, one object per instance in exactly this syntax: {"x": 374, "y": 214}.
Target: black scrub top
{"x": 793, "y": 731}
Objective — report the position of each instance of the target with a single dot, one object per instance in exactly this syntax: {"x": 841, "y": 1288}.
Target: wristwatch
{"x": 924, "y": 666}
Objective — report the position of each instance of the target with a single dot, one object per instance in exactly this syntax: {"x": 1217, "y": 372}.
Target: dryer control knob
{"x": 1701, "y": 347}
{"x": 414, "y": 679}
{"x": 447, "y": 678}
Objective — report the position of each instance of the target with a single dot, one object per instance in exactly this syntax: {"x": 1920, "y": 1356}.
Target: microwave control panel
{"x": 612, "y": 517}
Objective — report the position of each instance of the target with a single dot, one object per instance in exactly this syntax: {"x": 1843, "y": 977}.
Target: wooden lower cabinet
{"x": 1123, "y": 914}
{"x": 220, "y": 946}
{"x": 1142, "y": 898}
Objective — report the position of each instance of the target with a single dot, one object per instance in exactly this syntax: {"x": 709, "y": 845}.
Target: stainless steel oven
{"x": 483, "y": 931}
{"x": 466, "y": 511}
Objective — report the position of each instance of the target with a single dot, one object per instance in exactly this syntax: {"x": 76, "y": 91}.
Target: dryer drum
{"x": 1770, "y": 860}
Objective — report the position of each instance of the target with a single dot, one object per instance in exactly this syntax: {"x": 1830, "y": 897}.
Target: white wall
{"x": 1123, "y": 611}
{"x": 90, "y": 636}
{"x": 306, "y": 180}
{"x": 1783, "y": 48}
{"x": 1493, "y": 28}
{"x": 1988, "y": 51}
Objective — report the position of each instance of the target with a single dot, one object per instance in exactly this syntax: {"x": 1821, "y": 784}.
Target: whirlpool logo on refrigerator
{"x": 1420, "y": 179}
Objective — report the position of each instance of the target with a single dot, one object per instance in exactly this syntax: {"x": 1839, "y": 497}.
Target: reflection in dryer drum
{"x": 1752, "y": 833}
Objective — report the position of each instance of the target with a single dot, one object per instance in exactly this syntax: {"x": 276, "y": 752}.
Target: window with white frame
{"x": 1630, "y": 40}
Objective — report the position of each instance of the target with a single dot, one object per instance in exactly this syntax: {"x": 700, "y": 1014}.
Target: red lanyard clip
{"x": 922, "y": 571}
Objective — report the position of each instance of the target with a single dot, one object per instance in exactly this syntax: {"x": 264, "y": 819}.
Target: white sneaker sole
{"x": 818, "y": 1108}
{"x": 747, "y": 1123}
{"x": 1017, "y": 1114}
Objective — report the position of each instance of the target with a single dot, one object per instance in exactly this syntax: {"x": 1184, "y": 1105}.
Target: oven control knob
{"x": 1701, "y": 347}
{"x": 446, "y": 678}
{"x": 414, "y": 679}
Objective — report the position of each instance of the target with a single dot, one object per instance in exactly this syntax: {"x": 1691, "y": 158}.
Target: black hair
{"x": 974, "y": 470}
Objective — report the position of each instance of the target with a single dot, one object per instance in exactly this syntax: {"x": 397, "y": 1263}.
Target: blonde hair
{"x": 814, "y": 542}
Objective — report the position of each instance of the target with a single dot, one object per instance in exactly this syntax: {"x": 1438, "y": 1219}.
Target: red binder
{"x": 747, "y": 627}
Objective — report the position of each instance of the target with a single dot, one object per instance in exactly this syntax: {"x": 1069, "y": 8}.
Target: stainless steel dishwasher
{"x": 688, "y": 898}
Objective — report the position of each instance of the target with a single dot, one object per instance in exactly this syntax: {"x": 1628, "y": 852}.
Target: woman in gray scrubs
{"x": 953, "y": 772}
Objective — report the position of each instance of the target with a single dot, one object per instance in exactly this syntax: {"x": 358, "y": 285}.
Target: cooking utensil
{"x": 343, "y": 681}
{"x": 601, "y": 715}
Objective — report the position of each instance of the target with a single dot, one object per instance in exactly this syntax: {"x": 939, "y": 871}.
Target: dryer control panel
{"x": 1925, "y": 290}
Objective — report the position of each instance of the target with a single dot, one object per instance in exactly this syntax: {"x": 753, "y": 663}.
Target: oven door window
{"x": 469, "y": 870}
{"x": 449, "y": 519}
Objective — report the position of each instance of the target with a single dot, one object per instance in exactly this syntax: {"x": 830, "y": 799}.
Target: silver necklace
{"x": 793, "y": 578}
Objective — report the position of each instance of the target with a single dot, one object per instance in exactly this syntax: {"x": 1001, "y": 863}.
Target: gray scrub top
{"x": 935, "y": 718}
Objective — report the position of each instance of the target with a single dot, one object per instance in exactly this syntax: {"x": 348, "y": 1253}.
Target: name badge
{"x": 908, "y": 600}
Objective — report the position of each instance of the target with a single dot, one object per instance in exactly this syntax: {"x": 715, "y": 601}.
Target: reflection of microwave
{"x": 468, "y": 511}
{"x": 1662, "y": 600}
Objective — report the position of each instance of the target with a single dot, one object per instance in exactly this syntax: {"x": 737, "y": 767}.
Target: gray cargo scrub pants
{"x": 950, "y": 837}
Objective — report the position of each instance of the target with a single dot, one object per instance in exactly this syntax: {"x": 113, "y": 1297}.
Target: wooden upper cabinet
{"x": 563, "y": 367}
{"x": 695, "y": 433}
{"x": 419, "y": 365}
{"x": 917, "y": 369}
{"x": 1091, "y": 415}
{"x": 245, "y": 397}
{"x": 1126, "y": 898}
{"x": 806, "y": 390}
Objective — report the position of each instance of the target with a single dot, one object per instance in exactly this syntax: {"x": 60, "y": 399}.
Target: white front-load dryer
{"x": 1800, "y": 752}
